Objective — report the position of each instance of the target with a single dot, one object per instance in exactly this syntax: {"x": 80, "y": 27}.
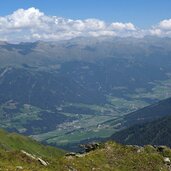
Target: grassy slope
{"x": 13, "y": 141}
{"x": 11, "y": 145}
{"x": 109, "y": 156}
{"x": 117, "y": 157}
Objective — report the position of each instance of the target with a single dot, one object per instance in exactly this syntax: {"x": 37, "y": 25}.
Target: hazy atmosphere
{"x": 85, "y": 85}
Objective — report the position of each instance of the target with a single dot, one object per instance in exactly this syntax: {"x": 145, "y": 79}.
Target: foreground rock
{"x": 33, "y": 157}
{"x": 90, "y": 147}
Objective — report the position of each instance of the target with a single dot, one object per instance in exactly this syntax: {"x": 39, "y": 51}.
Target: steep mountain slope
{"x": 149, "y": 113}
{"x": 57, "y": 91}
{"x": 22, "y": 153}
{"x": 16, "y": 142}
{"x": 157, "y": 132}
{"x": 107, "y": 157}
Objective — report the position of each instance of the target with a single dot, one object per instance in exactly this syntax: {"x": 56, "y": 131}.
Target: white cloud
{"x": 32, "y": 24}
{"x": 123, "y": 26}
{"x": 156, "y": 32}
{"x": 94, "y": 24}
{"x": 163, "y": 29}
{"x": 102, "y": 33}
{"x": 165, "y": 24}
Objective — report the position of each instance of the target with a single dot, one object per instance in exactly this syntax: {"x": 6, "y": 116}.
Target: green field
{"x": 84, "y": 126}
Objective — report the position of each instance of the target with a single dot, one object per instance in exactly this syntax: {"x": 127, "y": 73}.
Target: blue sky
{"x": 142, "y": 13}
{"x": 54, "y": 20}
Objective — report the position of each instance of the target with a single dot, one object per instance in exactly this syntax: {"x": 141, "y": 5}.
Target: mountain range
{"x": 83, "y": 90}
{"x": 69, "y": 91}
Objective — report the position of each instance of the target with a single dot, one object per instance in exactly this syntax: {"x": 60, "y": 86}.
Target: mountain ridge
{"x": 57, "y": 91}
{"x": 154, "y": 131}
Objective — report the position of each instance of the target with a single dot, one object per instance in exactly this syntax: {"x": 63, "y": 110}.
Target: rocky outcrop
{"x": 19, "y": 168}
{"x": 167, "y": 160}
{"x": 161, "y": 148}
{"x": 71, "y": 154}
{"x": 90, "y": 147}
{"x": 42, "y": 162}
{"x": 33, "y": 157}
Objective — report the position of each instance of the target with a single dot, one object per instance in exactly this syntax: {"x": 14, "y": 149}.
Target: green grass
{"x": 18, "y": 119}
{"x": 115, "y": 109}
{"x": 77, "y": 136}
{"x": 11, "y": 156}
{"x": 160, "y": 91}
{"x": 91, "y": 129}
{"x": 109, "y": 156}
{"x": 115, "y": 157}
{"x": 13, "y": 141}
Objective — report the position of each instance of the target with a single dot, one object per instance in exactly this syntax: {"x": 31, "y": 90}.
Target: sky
{"x": 143, "y": 13}
{"x": 72, "y": 18}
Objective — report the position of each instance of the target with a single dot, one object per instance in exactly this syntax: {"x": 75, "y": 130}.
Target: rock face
{"x": 42, "y": 162}
{"x": 167, "y": 160}
{"x": 33, "y": 157}
{"x": 19, "y": 168}
{"x": 71, "y": 154}
{"x": 160, "y": 148}
{"x": 29, "y": 155}
{"x": 90, "y": 147}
